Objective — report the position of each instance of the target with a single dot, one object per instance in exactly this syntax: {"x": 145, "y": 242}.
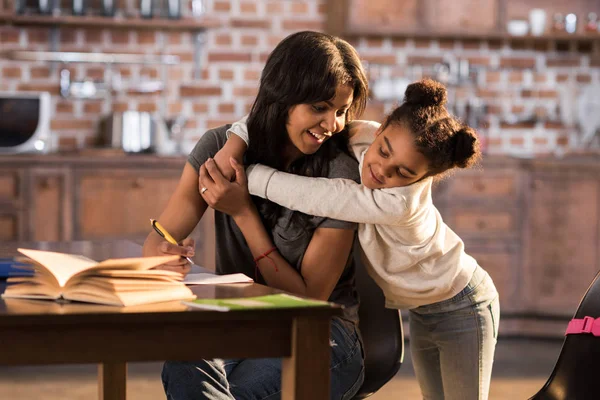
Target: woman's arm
{"x": 341, "y": 199}
{"x": 328, "y": 246}
{"x": 179, "y": 218}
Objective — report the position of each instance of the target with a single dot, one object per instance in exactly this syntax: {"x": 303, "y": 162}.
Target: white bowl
{"x": 517, "y": 27}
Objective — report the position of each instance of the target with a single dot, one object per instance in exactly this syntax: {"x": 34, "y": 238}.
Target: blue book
{"x": 9, "y": 268}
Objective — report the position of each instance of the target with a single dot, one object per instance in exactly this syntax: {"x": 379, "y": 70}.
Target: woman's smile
{"x": 318, "y": 138}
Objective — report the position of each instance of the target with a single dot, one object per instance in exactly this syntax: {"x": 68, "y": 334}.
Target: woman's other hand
{"x": 183, "y": 250}
{"x": 231, "y": 198}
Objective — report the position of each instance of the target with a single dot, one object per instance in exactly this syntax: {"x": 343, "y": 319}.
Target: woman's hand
{"x": 184, "y": 249}
{"x": 231, "y": 198}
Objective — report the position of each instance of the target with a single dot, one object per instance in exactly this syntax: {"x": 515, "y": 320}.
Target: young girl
{"x": 418, "y": 261}
{"x": 310, "y": 84}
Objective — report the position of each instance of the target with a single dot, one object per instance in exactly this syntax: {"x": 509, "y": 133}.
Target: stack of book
{"x": 118, "y": 282}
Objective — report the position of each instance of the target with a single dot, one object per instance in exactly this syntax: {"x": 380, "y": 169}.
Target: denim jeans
{"x": 260, "y": 378}
{"x": 452, "y": 342}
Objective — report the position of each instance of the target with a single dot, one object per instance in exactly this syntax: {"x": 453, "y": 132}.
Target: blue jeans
{"x": 452, "y": 342}
{"x": 260, "y": 378}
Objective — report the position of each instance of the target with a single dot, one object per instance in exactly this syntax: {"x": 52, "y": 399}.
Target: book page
{"x": 62, "y": 266}
{"x": 138, "y": 263}
{"x": 212, "y": 279}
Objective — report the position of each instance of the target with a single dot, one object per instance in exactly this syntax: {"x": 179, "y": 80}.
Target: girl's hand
{"x": 231, "y": 198}
{"x": 185, "y": 249}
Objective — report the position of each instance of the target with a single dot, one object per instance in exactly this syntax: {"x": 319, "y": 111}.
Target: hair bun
{"x": 425, "y": 93}
{"x": 465, "y": 147}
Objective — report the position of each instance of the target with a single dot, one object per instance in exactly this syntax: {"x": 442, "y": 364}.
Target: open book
{"x": 118, "y": 282}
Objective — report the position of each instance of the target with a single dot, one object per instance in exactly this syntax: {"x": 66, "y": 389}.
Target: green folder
{"x": 271, "y": 301}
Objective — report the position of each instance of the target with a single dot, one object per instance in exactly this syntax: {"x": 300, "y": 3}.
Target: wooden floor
{"x": 520, "y": 369}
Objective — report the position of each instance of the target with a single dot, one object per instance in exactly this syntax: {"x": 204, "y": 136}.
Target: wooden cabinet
{"x": 54, "y": 198}
{"x": 483, "y": 206}
{"x": 563, "y": 253}
{"x": 414, "y": 17}
{"x": 49, "y": 218}
{"x": 534, "y": 225}
{"x": 120, "y": 202}
{"x": 461, "y": 19}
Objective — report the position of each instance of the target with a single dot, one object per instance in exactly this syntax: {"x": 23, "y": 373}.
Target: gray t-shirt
{"x": 290, "y": 237}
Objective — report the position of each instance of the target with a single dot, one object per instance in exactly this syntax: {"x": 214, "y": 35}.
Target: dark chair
{"x": 577, "y": 370}
{"x": 381, "y": 330}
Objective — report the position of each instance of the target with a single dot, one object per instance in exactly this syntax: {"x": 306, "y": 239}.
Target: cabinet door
{"x": 502, "y": 262}
{"x": 464, "y": 16}
{"x": 120, "y": 203}
{"x": 383, "y": 16}
{"x": 50, "y": 202}
{"x": 11, "y": 225}
{"x": 11, "y": 187}
{"x": 562, "y": 255}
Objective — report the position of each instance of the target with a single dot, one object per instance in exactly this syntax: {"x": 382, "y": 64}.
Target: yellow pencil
{"x": 163, "y": 232}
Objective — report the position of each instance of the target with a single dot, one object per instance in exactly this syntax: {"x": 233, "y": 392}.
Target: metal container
{"x": 132, "y": 131}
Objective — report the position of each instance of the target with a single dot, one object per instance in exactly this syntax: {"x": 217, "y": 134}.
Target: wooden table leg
{"x": 112, "y": 379}
{"x": 305, "y": 375}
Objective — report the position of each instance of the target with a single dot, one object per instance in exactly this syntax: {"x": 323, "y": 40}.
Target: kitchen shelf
{"x": 103, "y": 58}
{"x": 577, "y": 37}
{"x": 184, "y": 24}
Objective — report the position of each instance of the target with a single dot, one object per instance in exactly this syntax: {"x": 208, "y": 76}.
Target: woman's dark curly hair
{"x": 306, "y": 67}
{"x": 439, "y": 136}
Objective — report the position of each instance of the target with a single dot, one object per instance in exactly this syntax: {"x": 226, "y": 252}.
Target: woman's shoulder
{"x": 208, "y": 145}
{"x": 344, "y": 166}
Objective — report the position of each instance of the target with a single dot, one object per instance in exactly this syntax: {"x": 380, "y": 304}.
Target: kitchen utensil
{"x": 169, "y": 134}
{"x": 45, "y": 6}
{"x": 589, "y": 114}
{"x": 108, "y": 8}
{"x": 537, "y": 21}
{"x": 517, "y": 27}
{"x": 174, "y": 9}
{"x": 146, "y": 8}
{"x": 132, "y": 131}
{"x": 571, "y": 23}
{"x": 79, "y": 7}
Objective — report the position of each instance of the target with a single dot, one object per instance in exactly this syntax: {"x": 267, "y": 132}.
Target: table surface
{"x": 20, "y": 311}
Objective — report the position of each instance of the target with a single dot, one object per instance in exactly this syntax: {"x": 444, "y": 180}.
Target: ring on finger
{"x": 203, "y": 190}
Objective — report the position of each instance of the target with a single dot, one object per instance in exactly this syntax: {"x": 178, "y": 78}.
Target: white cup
{"x": 537, "y": 21}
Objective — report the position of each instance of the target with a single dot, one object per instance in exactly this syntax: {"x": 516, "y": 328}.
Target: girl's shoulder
{"x": 363, "y": 127}
{"x": 362, "y": 133}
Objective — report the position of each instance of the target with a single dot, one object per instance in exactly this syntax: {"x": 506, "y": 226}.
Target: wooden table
{"x": 46, "y": 332}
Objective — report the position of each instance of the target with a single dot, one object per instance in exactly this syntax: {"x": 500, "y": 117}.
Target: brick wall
{"x": 528, "y": 88}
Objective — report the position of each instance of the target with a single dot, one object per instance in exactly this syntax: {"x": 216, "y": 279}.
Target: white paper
{"x": 212, "y": 279}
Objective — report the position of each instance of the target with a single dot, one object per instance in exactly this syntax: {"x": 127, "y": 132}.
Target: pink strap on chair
{"x": 585, "y": 325}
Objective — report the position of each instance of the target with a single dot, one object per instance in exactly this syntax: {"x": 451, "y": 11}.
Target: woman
{"x": 312, "y": 84}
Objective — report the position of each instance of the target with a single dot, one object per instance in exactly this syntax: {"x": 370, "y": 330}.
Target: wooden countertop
{"x": 92, "y": 157}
